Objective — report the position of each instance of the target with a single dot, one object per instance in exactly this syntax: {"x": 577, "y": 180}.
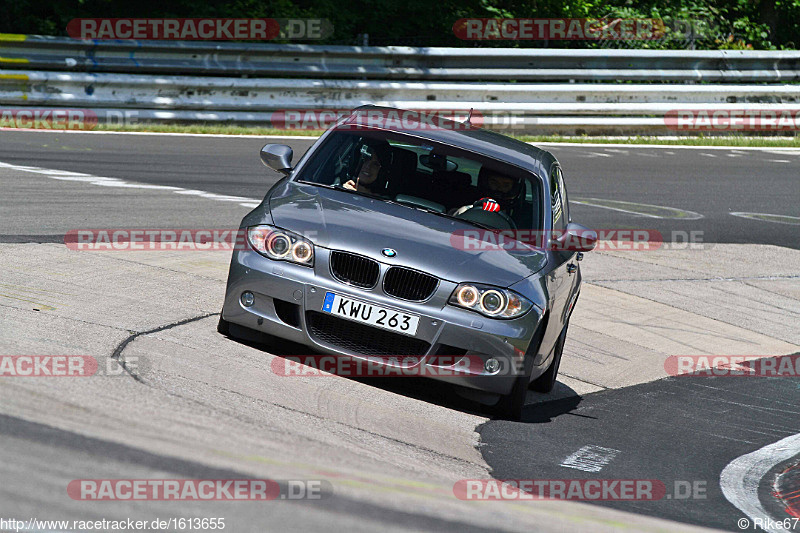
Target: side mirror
{"x": 576, "y": 238}
{"x": 277, "y": 157}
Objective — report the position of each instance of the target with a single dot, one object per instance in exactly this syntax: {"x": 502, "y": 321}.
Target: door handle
{"x": 572, "y": 268}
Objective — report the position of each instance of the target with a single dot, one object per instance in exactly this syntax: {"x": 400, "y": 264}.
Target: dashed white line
{"x": 768, "y": 217}
{"x": 65, "y": 175}
{"x": 642, "y": 210}
{"x": 590, "y": 458}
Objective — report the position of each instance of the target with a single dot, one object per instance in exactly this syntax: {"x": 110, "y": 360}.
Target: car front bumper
{"x": 289, "y": 300}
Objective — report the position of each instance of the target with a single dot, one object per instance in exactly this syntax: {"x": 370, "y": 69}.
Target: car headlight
{"x": 493, "y": 302}
{"x": 281, "y": 245}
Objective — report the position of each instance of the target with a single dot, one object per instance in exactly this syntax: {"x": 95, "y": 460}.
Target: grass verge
{"x": 699, "y": 140}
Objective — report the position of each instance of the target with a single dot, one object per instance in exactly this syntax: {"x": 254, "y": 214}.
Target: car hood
{"x": 341, "y": 220}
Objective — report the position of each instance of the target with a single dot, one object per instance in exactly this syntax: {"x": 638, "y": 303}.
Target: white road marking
{"x": 600, "y": 154}
{"x": 741, "y": 478}
{"x": 786, "y": 151}
{"x": 65, "y": 175}
{"x": 590, "y": 458}
{"x": 709, "y": 155}
{"x": 642, "y": 211}
{"x": 778, "y": 160}
{"x": 767, "y": 217}
{"x": 769, "y": 149}
{"x": 172, "y": 134}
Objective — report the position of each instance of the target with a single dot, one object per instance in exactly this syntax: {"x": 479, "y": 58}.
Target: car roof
{"x": 473, "y": 139}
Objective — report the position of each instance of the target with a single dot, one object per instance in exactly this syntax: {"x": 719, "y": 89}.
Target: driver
{"x": 499, "y": 192}
{"x": 370, "y": 177}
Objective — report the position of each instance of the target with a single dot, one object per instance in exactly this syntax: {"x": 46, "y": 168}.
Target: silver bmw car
{"x": 434, "y": 244}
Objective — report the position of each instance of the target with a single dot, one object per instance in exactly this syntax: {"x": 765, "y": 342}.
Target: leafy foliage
{"x": 714, "y": 24}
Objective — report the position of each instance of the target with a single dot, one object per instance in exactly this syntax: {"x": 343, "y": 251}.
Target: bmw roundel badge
{"x": 389, "y": 252}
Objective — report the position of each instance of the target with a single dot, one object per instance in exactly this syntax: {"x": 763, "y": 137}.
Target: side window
{"x": 558, "y": 199}
{"x": 564, "y": 196}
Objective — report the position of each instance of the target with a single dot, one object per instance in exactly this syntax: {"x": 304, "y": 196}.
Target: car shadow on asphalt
{"x": 539, "y": 408}
{"x": 543, "y": 408}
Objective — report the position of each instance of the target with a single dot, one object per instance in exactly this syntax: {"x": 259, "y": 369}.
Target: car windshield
{"x": 433, "y": 177}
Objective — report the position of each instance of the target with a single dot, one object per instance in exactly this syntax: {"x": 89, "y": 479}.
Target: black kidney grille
{"x": 409, "y": 284}
{"x": 354, "y": 269}
{"x": 360, "y": 339}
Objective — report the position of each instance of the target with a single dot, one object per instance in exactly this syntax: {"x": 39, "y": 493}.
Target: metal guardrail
{"x": 397, "y": 62}
{"x": 246, "y": 83}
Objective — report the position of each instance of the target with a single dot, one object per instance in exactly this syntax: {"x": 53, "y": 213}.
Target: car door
{"x": 570, "y": 256}
{"x": 562, "y": 279}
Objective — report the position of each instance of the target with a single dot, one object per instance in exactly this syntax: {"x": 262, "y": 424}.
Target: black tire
{"x": 547, "y": 381}
{"x": 510, "y": 406}
{"x": 223, "y": 326}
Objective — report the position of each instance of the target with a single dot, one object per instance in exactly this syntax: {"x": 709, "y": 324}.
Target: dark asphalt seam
{"x": 32, "y": 239}
{"x": 584, "y": 381}
{"x": 119, "y": 349}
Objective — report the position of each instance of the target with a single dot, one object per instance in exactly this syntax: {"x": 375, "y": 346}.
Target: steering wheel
{"x": 493, "y": 219}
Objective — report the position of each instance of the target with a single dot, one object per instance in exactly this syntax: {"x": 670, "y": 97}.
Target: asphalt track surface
{"x": 27, "y": 445}
{"x": 683, "y": 429}
{"x": 650, "y": 425}
{"x": 709, "y": 182}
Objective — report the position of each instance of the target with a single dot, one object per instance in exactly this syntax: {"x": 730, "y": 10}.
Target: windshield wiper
{"x": 451, "y": 217}
{"x": 340, "y": 188}
{"x": 324, "y": 185}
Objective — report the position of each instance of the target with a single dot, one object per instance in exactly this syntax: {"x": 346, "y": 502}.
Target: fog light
{"x": 492, "y": 365}
{"x": 248, "y": 298}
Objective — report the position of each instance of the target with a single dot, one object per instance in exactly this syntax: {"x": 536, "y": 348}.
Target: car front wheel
{"x": 510, "y": 405}
{"x": 547, "y": 381}
{"x": 223, "y": 326}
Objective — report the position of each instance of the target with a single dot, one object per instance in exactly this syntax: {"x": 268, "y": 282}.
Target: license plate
{"x": 374, "y": 315}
